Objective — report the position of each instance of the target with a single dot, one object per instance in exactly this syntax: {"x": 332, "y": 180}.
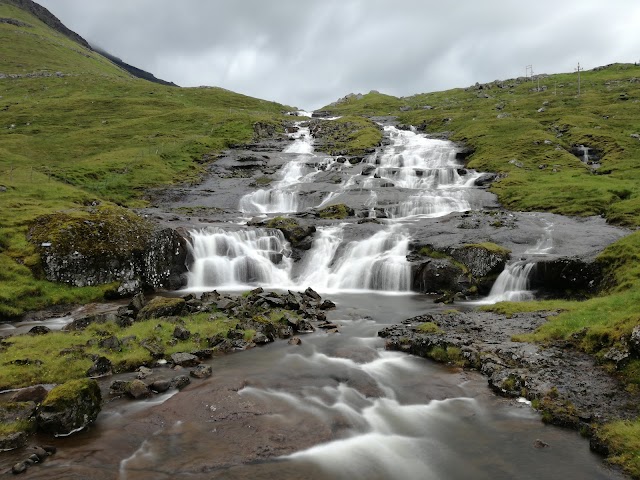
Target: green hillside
{"x": 526, "y": 136}
{"x": 76, "y": 129}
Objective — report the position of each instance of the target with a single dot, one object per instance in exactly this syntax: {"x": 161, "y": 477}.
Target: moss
{"x": 622, "y": 439}
{"x": 446, "y": 354}
{"x": 335, "y": 212}
{"x": 162, "y": 307}
{"x": 490, "y": 247}
{"x": 429, "y": 251}
{"x": 106, "y": 230}
{"x": 67, "y": 394}
{"x": 428, "y": 327}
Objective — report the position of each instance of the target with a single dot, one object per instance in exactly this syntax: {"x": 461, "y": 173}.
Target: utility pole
{"x": 578, "y": 70}
{"x": 528, "y": 70}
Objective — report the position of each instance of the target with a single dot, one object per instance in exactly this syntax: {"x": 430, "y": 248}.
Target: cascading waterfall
{"x": 422, "y": 169}
{"x": 235, "y": 259}
{"x": 512, "y": 285}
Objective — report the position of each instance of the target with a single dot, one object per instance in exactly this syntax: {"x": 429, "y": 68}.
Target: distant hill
{"x": 49, "y": 19}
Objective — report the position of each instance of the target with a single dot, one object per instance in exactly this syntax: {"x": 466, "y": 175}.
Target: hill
{"x": 76, "y": 130}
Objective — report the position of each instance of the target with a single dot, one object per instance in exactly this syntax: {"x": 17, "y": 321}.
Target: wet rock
{"x": 39, "y": 330}
{"x": 184, "y": 359}
{"x": 180, "y": 382}
{"x": 438, "y": 275}
{"x": 293, "y": 231}
{"x": 144, "y": 372}
{"x": 153, "y": 347}
{"x": 203, "y": 354}
{"x": 70, "y": 407}
{"x": 327, "y": 305}
{"x": 137, "y": 303}
{"x": 101, "y": 366}
{"x": 160, "y": 386}
{"x": 634, "y": 341}
{"x": 201, "y": 371}
{"x": 111, "y": 343}
{"x": 294, "y": 341}
{"x": 13, "y": 441}
{"x": 30, "y": 394}
{"x": 540, "y": 444}
{"x": 261, "y": 339}
{"x": 137, "y": 389}
{"x": 118, "y": 387}
{"x": 619, "y": 356}
{"x": 19, "y": 468}
{"x": 311, "y": 293}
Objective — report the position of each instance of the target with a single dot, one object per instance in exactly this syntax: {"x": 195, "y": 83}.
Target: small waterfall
{"x": 544, "y": 246}
{"x": 238, "y": 258}
{"x": 512, "y": 285}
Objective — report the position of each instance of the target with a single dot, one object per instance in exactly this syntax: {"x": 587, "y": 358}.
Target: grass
{"x": 93, "y": 134}
{"x": 490, "y": 247}
{"x": 61, "y": 356}
{"x": 349, "y": 135}
{"x": 623, "y": 440}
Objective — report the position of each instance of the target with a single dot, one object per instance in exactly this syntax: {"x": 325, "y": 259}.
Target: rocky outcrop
{"x": 567, "y": 386}
{"x": 70, "y": 407}
{"x": 107, "y": 245}
{"x": 17, "y": 420}
{"x": 567, "y": 276}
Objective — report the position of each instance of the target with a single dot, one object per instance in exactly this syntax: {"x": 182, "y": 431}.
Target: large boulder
{"x": 17, "y": 420}
{"x": 162, "y": 307}
{"x": 481, "y": 259}
{"x": 297, "y": 235}
{"x": 70, "y": 407}
{"x": 438, "y": 275}
{"x": 106, "y": 245}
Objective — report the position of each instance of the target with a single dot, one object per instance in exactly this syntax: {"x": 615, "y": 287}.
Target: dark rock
{"x": 327, "y": 305}
{"x": 181, "y": 333}
{"x": 180, "y": 382}
{"x": 481, "y": 261}
{"x": 619, "y": 356}
{"x": 118, "y": 387}
{"x": 540, "y": 444}
{"x": 39, "y": 330}
{"x": 13, "y": 441}
{"x": 153, "y": 347}
{"x": 137, "y": 389}
{"x": 70, "y": 407}
{"x": 634, "y": 341}
{"x": 137, "y": 303}
{"x": 311, "y": 293}
{"x": 201, "y": 371}
{"x": 203, "y": 354}
{"x": 101, "y": 366}
{"x": 30, "y": 394}
{"x": 260, "y": 339}
{"x": 19, "y": 468}
{"x": 485, "y": 179}
{"x": 143, "y": 372}
{"x": 438, "y": 276}
{"x": 160, "y": 386}
{"x": 111, "y": 343}
{"x": 184, "y": 359}
{"x": 295, "y": 341}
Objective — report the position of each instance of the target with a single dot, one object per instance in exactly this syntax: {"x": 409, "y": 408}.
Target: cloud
{"x": 311, "y": 52}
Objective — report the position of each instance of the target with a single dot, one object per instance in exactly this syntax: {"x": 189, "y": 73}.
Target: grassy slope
{"x": 552, "y": 179}
{"x": 95, "y": 134}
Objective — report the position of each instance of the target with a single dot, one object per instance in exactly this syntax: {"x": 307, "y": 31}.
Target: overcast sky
{"x": 309, "y": 53}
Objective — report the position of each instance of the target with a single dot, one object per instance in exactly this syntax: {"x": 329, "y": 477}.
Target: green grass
{"x": 93, "y": 135}
{"x": 490, "y": 247}
{"x": 61, "y": 356}
{"x": 623, "y": 440}
{"x": 349, "y": 135}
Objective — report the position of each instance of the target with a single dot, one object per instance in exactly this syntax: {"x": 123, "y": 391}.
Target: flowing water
{"x": 339, "y": 406}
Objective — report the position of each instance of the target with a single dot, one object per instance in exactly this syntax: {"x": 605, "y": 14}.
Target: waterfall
{"x": 235, "y": 259}
{"x": 512, "y": 285}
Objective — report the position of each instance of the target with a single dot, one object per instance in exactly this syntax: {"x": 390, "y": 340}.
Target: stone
{"x": 39, "y": 330}
{"x": 180, "y": 382}
{"x": 162, "y": 307}
{"x": 540, "y": 444}
{"x": 294, "y": 341}
{"x": 13, "y": 441}
{"x": 311, "y": 293}
{"x": 485, "y": 179}
{"x": 143, "y": 372}
{"x": 261, "y": 339}
{"x": 19, "y": 468}
{"x": 160, "y": 386}
{"x": 70, "y": 407}
{"x": 137, "y": 303}
{"x": 327, "y": 305}
{"x": 118, "y": 387}
{"x": 138, "y": 389}
{"x": 201, "y": 371}
{"x": 111, "y": 343}
{"x": 181, "y": 333}
{"x": 101, "y": 366}
{"x": 30, "y": 394}
{"x": 634, "y": 341}
{"x": 184, "y": 359}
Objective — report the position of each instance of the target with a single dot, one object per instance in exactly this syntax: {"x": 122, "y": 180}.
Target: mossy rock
{"x": 162, "y": 307}
{"x": 295, "y": 233}
{"x": 481, "y": 259}
{"x": 70, "y": 407}
{"x": 17, "y": 421}
{"x": 336, "y": 212}
{"x": 106, "y": 230}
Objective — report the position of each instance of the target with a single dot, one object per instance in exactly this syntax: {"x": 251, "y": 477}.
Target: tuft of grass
{"x": 429, "y": 327}
{"x": 490, "y": 247}
{"x": 350, "y": 135}
{"x": 623, "y": 440}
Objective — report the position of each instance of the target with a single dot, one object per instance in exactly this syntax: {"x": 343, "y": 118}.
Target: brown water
{"x": 336, "y": 407}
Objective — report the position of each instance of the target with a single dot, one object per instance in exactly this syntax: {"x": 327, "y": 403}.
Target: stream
{"x": 338, "y": 406}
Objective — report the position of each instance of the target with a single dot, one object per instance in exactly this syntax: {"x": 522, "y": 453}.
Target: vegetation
{"x": 623, "y": 441}
{"x": 349, "y": 135}
{"x": 335, "y": 212}
{"x": 76, "y": 130}
{"x": 490, "y": 247}
{"x": 526, "y": 135}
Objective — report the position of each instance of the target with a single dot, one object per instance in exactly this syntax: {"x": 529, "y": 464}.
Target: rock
{"x": 111, "y": 343}
{"x": 180, "y": 382}
{"x": 261, "y": 339}
{"x": 155, "y": 349}
{"x": 160, "y": 386}
{"x": 70, "y": 407}
{"x": 517, "y": 163}
{"x": 40, "y": 453}
{"x": 203, "y": 354}
{"x": 101, "y": 366}
{"x": 181, "y": 333}
{"x": 13, "y": 441}
{"x": 619, "y": 356}
{"x": 540, "y": 444}
{"x": 137, "y": 303}
{"x": 481, "y": 259}
{"x": 437, "y": 275}
{"x": 295, "y": 233}
{"x": 327, "y": 305}
{"x": 201, "y": 371}
{"x": 30, "y": 394}
{"x": 138, "y": 389}
{"x": 634, "y": 341}
{"x": 295, "y": 341}
{"x": 184, "y": 359}
{"x": 485, "y": 179}
{"x": 311, "y": 293}
{"x": 118, "y": 387}
{"x": 19, "y": 468}
{"x": 162, "y": 307}
{"x": 143, "y": 372}
{"x": 39, "y": 330}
